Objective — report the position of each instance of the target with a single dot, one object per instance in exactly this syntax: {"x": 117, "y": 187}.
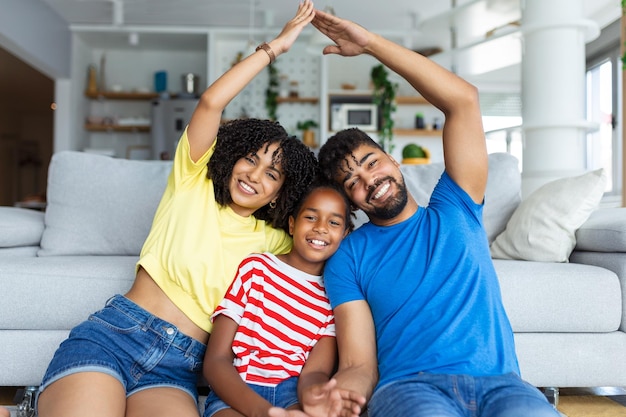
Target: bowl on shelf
{"x": 415, "y": 161}
{"x": 413, "y": 154}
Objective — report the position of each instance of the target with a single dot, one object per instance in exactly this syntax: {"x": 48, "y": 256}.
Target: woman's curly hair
{"x": 239, "y": 138}
{"x": 339, "y": 147}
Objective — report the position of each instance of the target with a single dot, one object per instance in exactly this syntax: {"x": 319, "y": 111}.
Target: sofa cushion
{"x": 543, "y": 227}
{"x": 20, "y": 227}
{"x": 21, "y": 251}
{"x": 502, "y": 195}
{"x": 559, "y": 297}
{"x": 98, "y": 205}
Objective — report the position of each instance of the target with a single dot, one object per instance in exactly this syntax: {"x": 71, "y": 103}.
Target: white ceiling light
{"x": 133, "y": 38}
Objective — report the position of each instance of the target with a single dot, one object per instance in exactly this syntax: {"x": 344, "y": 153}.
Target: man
{"x": 421, "y": 328}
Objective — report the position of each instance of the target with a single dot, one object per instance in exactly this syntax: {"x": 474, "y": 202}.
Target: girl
{"x": 228, "y": 192}
{"x": 274, "y": 333}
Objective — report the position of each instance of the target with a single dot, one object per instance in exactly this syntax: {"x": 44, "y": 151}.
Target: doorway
{"x": 26, "y": 130}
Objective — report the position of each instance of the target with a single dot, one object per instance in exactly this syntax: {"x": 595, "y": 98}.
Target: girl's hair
{"x": 321, "y": 182}
{"x": 239, "y": 138}
{"x": 339, "y": 147}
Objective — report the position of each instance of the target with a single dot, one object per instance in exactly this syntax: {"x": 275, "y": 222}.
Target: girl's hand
{"x": 293, "y": 28}
{"x": 350, "y": 39}
{"x": 328, "y": 400}
{"x": 325, "y": 401}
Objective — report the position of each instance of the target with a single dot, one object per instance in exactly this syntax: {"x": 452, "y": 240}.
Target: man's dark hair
{"x": 241, "y": 137}
{"x": 338, "y": 148}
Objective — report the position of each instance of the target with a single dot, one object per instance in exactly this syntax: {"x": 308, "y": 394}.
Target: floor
{"x": 618, "y": 394}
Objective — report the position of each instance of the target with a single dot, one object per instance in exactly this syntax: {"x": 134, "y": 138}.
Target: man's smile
{"x": 382, "y": 191}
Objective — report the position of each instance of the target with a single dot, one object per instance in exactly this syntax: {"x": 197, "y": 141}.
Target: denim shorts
{"x": 460, "y": 396}
{"x": 130, "y": 344}
{"x": 282, "y": 395}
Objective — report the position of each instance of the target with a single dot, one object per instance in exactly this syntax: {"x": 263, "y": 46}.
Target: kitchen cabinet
{"x": 117, "y": 118}
{"x": 209, "y": 54}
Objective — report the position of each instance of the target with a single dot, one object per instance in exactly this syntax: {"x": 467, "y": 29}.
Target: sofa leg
{"x": 25, "y": 400}
{"x": 552, "y": 394}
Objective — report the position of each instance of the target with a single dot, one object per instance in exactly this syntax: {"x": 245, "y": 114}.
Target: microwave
{"x": 348, "y": 115}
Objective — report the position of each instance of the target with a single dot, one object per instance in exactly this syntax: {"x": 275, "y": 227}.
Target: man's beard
{"x": 393, "y": 206}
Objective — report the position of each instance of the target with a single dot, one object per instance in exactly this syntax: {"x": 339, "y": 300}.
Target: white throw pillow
{"x": 543, "y": 227}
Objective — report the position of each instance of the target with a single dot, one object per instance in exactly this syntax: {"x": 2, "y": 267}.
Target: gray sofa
{"x": 569, "y": 318}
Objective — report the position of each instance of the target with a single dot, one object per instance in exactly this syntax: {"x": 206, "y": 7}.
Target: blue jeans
{"x": 127, "y": 342}
{"x": 435, "y": 395}
{"x": 283, "y": 395}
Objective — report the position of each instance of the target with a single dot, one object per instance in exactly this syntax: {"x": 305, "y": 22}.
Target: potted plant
{"x": 384, "y": 96}
{"x": 308, "y": 135}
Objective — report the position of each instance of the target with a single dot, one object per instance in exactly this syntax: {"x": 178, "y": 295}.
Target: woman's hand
{"x": 293, "y": 28}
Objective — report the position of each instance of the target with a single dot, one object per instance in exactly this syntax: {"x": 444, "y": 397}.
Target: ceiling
{"x": 420, "y": 24}
{"x": 388, "y": 15}
{"x": 420, "y": 20}
{"x": 236, "y": 13}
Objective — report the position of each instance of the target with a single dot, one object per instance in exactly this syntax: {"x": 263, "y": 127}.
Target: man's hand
{"x": 325, "y": 401}
{"x": 350, "y": 39}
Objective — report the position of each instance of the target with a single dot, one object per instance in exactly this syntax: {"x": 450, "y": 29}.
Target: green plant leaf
{"x": 384, "y": 96}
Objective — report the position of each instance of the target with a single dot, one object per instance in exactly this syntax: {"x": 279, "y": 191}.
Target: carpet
{"x": 590, "y": 406}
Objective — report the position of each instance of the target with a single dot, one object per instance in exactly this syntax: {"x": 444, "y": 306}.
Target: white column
{"x": 553, "y": 90}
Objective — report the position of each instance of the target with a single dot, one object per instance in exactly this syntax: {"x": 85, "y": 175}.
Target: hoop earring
{"x": 273, "y": 204}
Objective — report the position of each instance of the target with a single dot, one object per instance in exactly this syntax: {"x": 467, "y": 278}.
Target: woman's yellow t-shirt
{"x": 195, "y": 245}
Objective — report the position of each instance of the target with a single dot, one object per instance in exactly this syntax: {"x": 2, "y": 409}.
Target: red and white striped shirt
{"x": 281, "y": 312}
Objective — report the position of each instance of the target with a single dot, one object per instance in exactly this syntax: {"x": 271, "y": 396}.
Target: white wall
{"x": 44, "y": 43}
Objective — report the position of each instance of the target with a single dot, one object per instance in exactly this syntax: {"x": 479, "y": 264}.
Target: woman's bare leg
{"x": 83, "y": 394}
{"x": 162, "y": 401}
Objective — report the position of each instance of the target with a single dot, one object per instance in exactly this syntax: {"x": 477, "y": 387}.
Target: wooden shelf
{"x": 417, "y": 132}
{"x": 116, "y": 128}
{"x": 113, "y": 95}
{"x": 310, "y": 100}
{"x": 411, "y": 100}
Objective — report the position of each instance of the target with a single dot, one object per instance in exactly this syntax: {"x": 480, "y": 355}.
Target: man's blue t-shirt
{"x": 432, "y": 289}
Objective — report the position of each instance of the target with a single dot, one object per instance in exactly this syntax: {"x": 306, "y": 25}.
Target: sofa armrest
{"x": 604, "y": 231}
{"x": 613, "y": 261}
{"x": 20, "y": 227}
